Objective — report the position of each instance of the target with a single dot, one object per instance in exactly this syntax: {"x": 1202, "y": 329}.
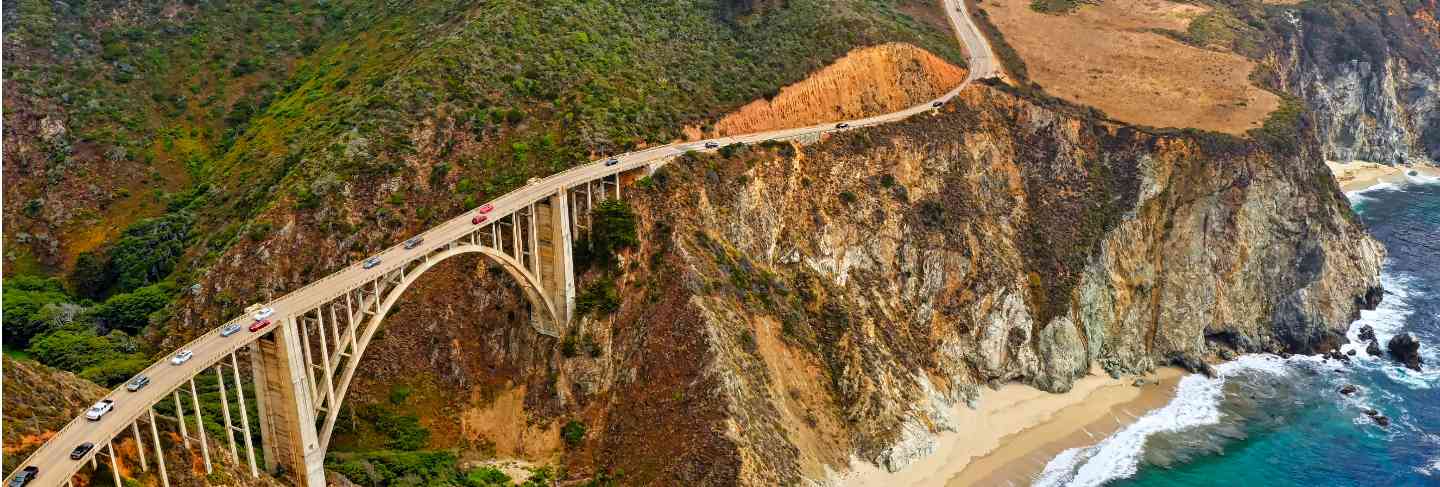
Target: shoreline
{"x": 1359, "y": 176}
{"x": 1017, "y": 429}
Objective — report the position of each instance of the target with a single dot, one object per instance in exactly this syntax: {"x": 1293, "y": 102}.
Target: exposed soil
{"x": 1107, "y": 56}
{"x": 867, "y": 81}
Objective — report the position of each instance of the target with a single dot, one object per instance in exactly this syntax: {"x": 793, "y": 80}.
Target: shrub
{"x": 573, "y": 433}
{"x": 402, "y": 431}
{"x": 600, "y": 296}
{"x": 486, "y": 477}
{"x": 26, "y": 299}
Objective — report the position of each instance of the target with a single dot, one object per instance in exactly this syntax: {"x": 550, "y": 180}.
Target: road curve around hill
{"x": 53, "y": 458}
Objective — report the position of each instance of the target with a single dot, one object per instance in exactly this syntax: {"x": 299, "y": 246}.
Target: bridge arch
{"x": 530, "y": 283}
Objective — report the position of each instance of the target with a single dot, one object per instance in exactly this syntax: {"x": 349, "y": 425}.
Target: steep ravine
{"x": 846, "y": 293}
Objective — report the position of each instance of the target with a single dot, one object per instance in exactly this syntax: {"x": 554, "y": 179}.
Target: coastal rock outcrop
{"x": 1406, "y": 350}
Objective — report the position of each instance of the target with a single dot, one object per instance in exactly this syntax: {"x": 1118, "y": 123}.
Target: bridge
{"x": 302, "y": 365}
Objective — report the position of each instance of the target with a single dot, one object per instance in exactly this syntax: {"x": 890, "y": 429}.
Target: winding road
{"x": 53, "y": 459}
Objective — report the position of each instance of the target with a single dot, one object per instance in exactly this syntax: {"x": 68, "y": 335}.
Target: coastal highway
{"x": 210, "y": 348}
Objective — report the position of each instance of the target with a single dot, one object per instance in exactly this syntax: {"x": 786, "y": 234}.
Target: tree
{"x": 25, "y": 298}
{"x": 148, "y": 250}
{"x": 131, "y": 311}
{"x": 91, "y": 277}
{"x": 613, "y": 230}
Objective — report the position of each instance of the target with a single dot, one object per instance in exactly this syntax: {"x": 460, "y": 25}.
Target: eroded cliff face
{"x": 851, "y": 291}
{"x": 1372, "y": 79}
{"x": 789, "y": 309}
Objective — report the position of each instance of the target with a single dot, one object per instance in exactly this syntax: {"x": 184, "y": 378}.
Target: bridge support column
{"x": 561, "y": 256}
{"x": 287, "y": 414}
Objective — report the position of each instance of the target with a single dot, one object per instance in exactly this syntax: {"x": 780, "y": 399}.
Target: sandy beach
{"x": 1359, "y": 175}
{"x": 1017, "y": 429}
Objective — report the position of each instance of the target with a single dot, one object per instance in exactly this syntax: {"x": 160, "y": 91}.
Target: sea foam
{"x": 1196, "y": 403}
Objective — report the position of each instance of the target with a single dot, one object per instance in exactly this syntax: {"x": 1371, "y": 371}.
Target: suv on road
{"x": 612, "y": 162}
{"x": 414, "y": 242}
{"x": 371, "y": 262}
{"x": 264, "y": 313}
{"x": 99, "y": 409}
{"x": 139, "y": 382}
{"x": 712, "y": 145}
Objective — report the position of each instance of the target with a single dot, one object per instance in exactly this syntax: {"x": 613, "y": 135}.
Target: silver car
{"x": 230, "y": 329}
{"x": 414, "y": 242}
{"x": 371, "y": 262}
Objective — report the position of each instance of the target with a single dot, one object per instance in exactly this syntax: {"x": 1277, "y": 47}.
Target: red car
{"x": 479, "y": 219}
{"x": 487, "y": 208}
{"x": 258, "y": 325}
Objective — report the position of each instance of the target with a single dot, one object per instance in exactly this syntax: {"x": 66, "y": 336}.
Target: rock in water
{"x": 1383, "y": 421}
{"x": 1349, "y": 389}
{"x": 1373, "y": 348}
{"x": 1406, "y": 350}
{"x": 1367, "y": 333}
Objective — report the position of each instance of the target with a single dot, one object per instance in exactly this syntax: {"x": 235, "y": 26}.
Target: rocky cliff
{"x": 844, "y": 294}
{"x": 1372, "y": 76}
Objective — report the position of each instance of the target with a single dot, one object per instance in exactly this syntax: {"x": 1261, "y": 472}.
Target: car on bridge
{"x": 259, "y": 325}
{"x": 371, "y": 262}
{"x": 26, "y": 475}
{"x": 99, "y": 409}
{"x": 414, "y": 242}
{"x": 487, "y": 208}
{"x": 612, "y": 162}
{"x": 479, "y": 219}
{"x": 139, "y": 382}
{"x": 181, "y": 357}
{"x": 842, "y": 125}
{"x": 80, "y": 451}
{"x": 937, "y": 104}
{"x": 264, "y": 313}
{"x": 712, "y": 145}
{"x": 230, "y": 329}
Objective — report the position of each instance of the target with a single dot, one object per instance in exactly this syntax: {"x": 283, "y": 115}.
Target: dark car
{"x": 80, "y": 451}
{"x": 139, "y": 382}
{"x": 479, "y": 219}
{"x": 937, "y": 104}
{"x": 712, "y": 145}
{"x": 842, "y": 125}
{"x": 25, "y": 476}
{"x": 414, "y": 242}
{"x": 612, "y": 162}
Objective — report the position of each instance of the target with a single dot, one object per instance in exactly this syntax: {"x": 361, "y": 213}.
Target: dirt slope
{"x": 868, "y": 81}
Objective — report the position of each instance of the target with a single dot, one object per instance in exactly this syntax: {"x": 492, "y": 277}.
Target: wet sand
{"x": 1017, "y": 429}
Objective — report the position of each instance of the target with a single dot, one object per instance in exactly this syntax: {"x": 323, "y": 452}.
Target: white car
{"x": 181, "y": 357}
{"x": 99, "y": 409}
{"x": 264, "y": 313}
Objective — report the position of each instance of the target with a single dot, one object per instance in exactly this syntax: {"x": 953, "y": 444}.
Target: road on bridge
{"x": 53, "y": 458}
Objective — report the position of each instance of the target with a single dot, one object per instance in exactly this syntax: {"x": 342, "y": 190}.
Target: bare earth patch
{"x": 1105, "y": 56}
{"x": 867, "y": 81}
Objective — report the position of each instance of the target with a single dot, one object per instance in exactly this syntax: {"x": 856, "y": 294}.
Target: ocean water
{"x": 1272, "y": 422}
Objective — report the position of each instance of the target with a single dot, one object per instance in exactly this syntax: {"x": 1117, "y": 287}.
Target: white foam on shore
{"x": 1359, "y": 194}
{"x": 1196, "y": 403}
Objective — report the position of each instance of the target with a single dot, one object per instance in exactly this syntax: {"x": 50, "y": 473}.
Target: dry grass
{"x": 1106, "y": 56}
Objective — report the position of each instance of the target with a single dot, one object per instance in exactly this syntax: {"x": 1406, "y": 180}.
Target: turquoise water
{"x": 1280, "y": 422}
